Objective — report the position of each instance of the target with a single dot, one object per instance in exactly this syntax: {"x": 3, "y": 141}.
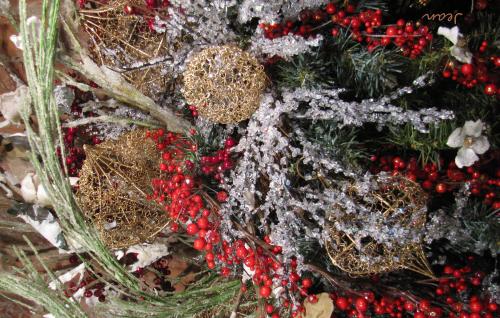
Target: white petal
{"x": 451, "y": 34}
{"x": 33, "y": 20}
{"x": 465, "y": 157}
{"x": 28, "y": 189}
{"x": 456, "y": 138}
{"x": 42, "y": 197}
{"x": 11, "y": 103}
{"x": 17, "y": 40}
{"x": 480, "y": 145}
{"x": 473, "y": 128}
{"x": 461, "y": 54}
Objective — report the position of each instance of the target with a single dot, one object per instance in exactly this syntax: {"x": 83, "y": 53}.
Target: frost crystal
{"x": 326, "y": 104}
{"x": 286, "y": 46}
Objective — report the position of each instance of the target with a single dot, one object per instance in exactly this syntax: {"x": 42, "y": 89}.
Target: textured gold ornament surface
{"x": 114, "y": 182}
{"x": 124, "y": 43}
{"x": 400, "y": 203}
{"x": 225, "y": 83}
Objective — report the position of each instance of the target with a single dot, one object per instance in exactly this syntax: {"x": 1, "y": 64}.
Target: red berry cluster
{"x": 74, "y": 153}
{"x": 457, "y": 289}
{"x": 89, "y": 281}
{"x": 365, "y": 303}
{"x": 471, "y": 75}
{"x": 452, "y": 298}
{"x": 180, "y": 190}
{"x": 149, "y": 11}
{"x": 193, "y": 110}
{"x": 220, "y": 162}
{"x": 441, "y": 181}
{"x": 365, "y": 26}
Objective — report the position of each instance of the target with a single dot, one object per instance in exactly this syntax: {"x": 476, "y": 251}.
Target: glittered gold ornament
{"x": 225, "y": 83}
{"x": 401, "y": 204}
{"x": 115, "y": 181}
{"x": 123, "y": 41}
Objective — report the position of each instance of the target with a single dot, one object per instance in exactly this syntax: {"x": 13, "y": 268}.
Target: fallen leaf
{"x": 11, "y": 103}
{"x": 323, "y": 308}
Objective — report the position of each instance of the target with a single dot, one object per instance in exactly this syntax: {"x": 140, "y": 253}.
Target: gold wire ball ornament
{"x": 225, "y": 83}
{"x": 122, "y": 40}
{"x": 400, "y": 203}
{"x": 115, "y": 181}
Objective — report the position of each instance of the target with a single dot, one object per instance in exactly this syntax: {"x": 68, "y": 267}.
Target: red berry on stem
{"x": 467, "y": 69}
{"x": 330, "y": 8}
{"x": 490, "y": 89}
{"x": 441, "y": 188}
{"x": 361, "y": 304}
{"x": 265, "y": 291}
{"x": 342, "y": 303}
{"x": 306, "y": 283}
{"x": 192, "y": 229}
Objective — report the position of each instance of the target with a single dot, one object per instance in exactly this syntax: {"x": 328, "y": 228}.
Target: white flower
{"x": 459, "y": 49}
{"x": 470, "y": 141}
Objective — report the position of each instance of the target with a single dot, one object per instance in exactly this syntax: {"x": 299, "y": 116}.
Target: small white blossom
{"x": 459, "y": 49}
{"x": 470, "y": 141}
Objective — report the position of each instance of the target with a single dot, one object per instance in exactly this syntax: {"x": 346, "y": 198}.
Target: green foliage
{"x": 304, "y": 70}
{"x": 340, "y": 143}
{"x": 372, "y": 5}
{"x": 482, "y": 227}
{"x": 427, "y": 145}
{"x": 31, "y": 285}
{"x": 487, "y": 30}
{"x": 374, "y": 73}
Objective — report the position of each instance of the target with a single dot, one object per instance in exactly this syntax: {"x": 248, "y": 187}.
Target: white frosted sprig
{"x": 327, "y": 104}
{"x": 285, "y": 46}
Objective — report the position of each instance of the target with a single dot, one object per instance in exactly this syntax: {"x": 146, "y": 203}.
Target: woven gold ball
{"x": 225, "y": 83}
{"x": 115, "y": 181}
{"x": 399, "y": 202}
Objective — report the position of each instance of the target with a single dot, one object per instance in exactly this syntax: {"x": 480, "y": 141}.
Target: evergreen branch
{"x": 39, "y": 55}
{"x": 32, "y": 286}
{"x": 427, "y": 145}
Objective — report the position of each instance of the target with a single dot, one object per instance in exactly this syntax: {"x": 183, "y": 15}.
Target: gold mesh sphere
{"x": 400, "y": 203}
{"x": 124, "y": 43}
{"x": 115, "y": 181}
{"x": 225, "y": 83}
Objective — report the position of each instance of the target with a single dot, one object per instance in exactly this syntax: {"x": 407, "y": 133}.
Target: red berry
{"x": 265, "y": 291}
{"x": 424, "y": 305}
{"x": 467, "y": 69}
{"x": 306, "y": 283}
{"x": 441, "y": 188}
{"x": 342, "y": 303}
{"x": 408, "y": 306}
{"x": 199, "y": 243}
{"x": 330, "y": 8}
{"x": 203, "y": 223}
{"x": 222, "y": 196}
{"x": 476, "y": 307}
{"x": 490, "y": 89}
{"x": 269, "y": 308}
{"x": 492, "y": 307}
{"x": 391, "y": 31}
{"x": 192, "y": 229}
{"x": 361, "y": 304}
{"x": 419, "y": 314}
